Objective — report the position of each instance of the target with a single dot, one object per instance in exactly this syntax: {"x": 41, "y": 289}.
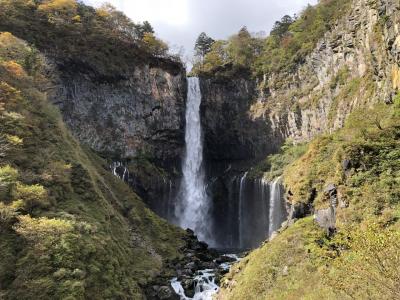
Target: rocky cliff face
{"x": 357, "y": 63}
{"x": 230, "y": 133}
{"x": 136, "y": 118}
{"x": 139, "y": 114}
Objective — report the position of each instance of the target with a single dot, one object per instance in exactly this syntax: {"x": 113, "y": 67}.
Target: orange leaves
{"x": 14, "y": 69}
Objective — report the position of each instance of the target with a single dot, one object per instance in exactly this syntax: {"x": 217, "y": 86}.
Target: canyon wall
{"x": 140, "y": 114}
{"x": 136, "y": 118}
{"x": 356, "y": 64}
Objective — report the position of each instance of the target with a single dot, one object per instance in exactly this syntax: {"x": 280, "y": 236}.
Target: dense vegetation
{"x": 68, "y": 228}
{"x": 81, "y": 36}
{"x": 289, "y": 42}
{"x": 361, "y": 260}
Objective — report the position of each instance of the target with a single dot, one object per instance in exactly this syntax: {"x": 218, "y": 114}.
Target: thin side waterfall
{"x": 275, "y": 203}
{"x": 258, "y": 210}
{"x": 193, "y": 203}
{"x": 241, "y": 199}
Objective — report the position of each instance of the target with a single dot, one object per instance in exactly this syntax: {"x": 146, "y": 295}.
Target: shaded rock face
{"x": 139, "y": 114}
{"x": 136, "y": 119}
{"x": 233, "y": 141}
{"x": 230, "y": 133}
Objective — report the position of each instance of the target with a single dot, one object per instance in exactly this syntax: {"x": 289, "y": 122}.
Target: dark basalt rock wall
{"x": 231, "y": 134}
{"x": 140, "y": 114}
{"x": 137, "y": 118}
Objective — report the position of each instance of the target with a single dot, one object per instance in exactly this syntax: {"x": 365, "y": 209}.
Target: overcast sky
{"x": 179, "y": 22}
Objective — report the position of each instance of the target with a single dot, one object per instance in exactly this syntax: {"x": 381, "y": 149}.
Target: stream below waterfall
{"x": 205, "y": 284}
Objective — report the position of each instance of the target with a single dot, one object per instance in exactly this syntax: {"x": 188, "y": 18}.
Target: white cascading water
{"x": 204, "y": 282}
{"x": 274, "y": 206}
{"x": 193, "y": 203}
{"x": 241, "y": 198}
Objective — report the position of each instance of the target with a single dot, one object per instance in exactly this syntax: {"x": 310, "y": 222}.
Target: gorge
{"x": 123, "y": 176}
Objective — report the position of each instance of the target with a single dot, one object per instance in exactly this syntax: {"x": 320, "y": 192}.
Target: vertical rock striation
{"x": 141, "y": 113}
{"x": 356, "y": 64}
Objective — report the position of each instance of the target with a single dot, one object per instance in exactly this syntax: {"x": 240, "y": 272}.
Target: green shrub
{"x": 368, "y": 266}
{"x": 290, "y": 41}
{"x": 33, "y": 196}
{"x": 274, "y": 165}
{"x": 8, "y": 216}
{"x": 39, "y": 230}
{"x": 8, "y": 175}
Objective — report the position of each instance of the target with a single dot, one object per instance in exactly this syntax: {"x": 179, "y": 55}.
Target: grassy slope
{"x": 281, "y": 269}
{"x": 361, "y": 260}
{"x": 107, "y": 242}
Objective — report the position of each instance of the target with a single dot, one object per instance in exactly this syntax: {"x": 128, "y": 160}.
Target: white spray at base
{"x": 193, "y": 202}
{"x": 205, "y": 286}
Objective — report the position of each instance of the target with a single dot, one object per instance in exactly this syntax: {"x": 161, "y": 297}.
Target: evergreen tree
{"x": 203, "y": 45}
{"x": 141, "y": 29}
{"x": 281, "y": 27}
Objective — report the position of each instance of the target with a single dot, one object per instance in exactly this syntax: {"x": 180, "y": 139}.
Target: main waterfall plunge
{"x": 246, "y": 214}
{"x": 254, "y": 207}
{"x": 192, "y": 210}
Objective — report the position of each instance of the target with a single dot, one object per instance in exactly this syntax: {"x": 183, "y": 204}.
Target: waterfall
{"x": 240, "y": 213}
{"x": 275, "y": 203}
{"x": 256, "y": 211}
{"x": 193, "y": 204}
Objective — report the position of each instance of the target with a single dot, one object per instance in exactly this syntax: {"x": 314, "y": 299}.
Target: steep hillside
{"x": 118, "y": 90}
{"x": 350, "y": 181}
{"x": 68, "y": 228}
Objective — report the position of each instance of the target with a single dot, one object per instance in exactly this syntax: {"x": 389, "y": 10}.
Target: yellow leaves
{"x": 154, "y": 45}
{"x": 12, "y": 48}
{"x": 8, "y": 175}
{"x": 32, "y": 195}
{"x": 60, "y": 11}
{"x": 77, "y": 19}
{"x": 58, "y": 6}
{"x": 7, "y": 216}
{"x": 14, "y": 140}
{"x": 9, "y": 94}
{"x": 7, "y": 39}
{"x": 39, "y": 229}
{"x": 103, "y": 12}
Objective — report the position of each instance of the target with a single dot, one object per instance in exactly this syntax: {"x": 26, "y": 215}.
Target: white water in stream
{"x": 204, "y": 281}
{"x": 193, "y": 204}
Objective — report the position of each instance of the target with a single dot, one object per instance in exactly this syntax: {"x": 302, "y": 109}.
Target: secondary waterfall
{"x": 255, "y": 208}
{"x": 193, "y": 203}
{"x": 162, "y": 206}
{"x": 240, "y": 214}
{"x": 276, "y": 213}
